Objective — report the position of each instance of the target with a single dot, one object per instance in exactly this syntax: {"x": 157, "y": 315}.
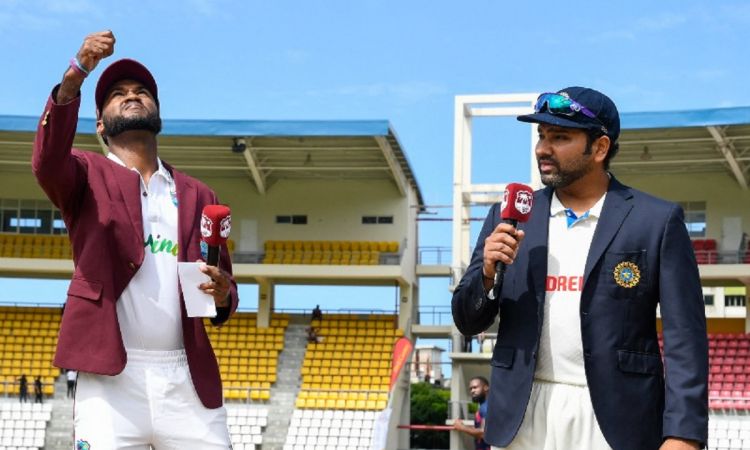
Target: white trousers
{"x": 558, "y": 417}
{"x": 151, "y": 404}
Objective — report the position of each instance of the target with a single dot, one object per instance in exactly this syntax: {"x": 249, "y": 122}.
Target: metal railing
{"x": 435, "y": 315}
{"x": 434, "y": 255}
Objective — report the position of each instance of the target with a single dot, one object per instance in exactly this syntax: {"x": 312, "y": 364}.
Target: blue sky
{"x": 403, "y": 61}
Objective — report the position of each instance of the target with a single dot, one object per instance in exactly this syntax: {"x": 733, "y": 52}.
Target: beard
{"x": 114, "y": 126}
{"x": 479, "y": 398}
{"x": 565, "y": 176}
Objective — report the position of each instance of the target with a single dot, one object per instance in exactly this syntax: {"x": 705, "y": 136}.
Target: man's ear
{"x": 601, "y": 148}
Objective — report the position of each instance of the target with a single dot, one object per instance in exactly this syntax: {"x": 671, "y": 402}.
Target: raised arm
{"x": 57, "y": 170}
{"x": 473, "y": 310}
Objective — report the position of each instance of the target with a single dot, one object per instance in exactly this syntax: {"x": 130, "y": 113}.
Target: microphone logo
{"x": 206, "y": 226}
{"x": 225, "y": 226}
{"x": 524, "y": 201}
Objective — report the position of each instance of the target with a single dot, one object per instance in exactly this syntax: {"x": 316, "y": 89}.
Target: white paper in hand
{"x": 197, "y": 302}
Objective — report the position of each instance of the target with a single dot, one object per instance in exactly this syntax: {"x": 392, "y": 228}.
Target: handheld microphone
{"x": 216, "y": 222}
{"x": 517, "y": 202}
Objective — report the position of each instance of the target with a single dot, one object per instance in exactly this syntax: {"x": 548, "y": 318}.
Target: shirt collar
{"x": 556, "y": 207}
{"x": 161, "y": 170}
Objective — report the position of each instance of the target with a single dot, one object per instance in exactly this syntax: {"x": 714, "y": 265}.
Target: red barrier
{"x": 426, "y": 427}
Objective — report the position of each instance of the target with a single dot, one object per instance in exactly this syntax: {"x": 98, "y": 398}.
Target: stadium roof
{"x": 697, "y": 141}
{"x": 270, "y": 150}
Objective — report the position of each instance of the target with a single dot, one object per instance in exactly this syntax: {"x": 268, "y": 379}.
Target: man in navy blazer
{"x": 147, "y": 375}
{"x": 577, "y": 361}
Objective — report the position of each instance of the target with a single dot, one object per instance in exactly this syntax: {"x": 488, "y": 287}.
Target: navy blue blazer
{"x": 637, "y": 399}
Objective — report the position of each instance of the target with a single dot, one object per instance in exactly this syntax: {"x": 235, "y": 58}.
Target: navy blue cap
{"x": 596, "y": 102}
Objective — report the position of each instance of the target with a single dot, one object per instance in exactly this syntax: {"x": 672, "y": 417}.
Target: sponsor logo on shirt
{"x": 159, "y": 245}
{"x": 564, "y": 283}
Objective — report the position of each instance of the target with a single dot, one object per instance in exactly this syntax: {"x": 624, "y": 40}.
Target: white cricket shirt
{"x": 149, "y": 309}
{"x": 560, "y": 355}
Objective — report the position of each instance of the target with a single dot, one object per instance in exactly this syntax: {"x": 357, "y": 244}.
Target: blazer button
{"x": 131, "y": 265}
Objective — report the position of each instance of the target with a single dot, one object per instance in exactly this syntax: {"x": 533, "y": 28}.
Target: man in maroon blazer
{"x": 147, "y": 373}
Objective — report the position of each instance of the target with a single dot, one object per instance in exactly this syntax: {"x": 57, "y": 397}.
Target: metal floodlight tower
{"x": 465, "y": 193}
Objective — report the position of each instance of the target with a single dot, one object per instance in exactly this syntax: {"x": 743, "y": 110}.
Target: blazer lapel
{"x": 616, "y": 207}
{"x": 537, "y": 231}
{"x": 129, "y": 183}
{"x": 187, "y": 197}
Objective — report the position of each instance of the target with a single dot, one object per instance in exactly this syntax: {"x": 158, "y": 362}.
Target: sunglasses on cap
{"x": 563, "y": 105}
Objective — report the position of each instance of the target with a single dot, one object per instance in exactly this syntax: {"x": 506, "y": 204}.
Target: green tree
{"x": 429, "y": 406}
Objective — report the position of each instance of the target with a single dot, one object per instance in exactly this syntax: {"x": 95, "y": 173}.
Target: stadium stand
{"x": 729, "y": 372}
{"x": 350, "y": 368}
{"x": 27, "y": 345}
{"x": 345, "y": 381}
{"x": 330, "y": 429}
{"x": 727, "y": 432}
{"x": 705, "y": 251}
{"x": 248, "y": 355}
{"x": 23, "y": 425}
{"x": 52, "y": 246}
{"x": 35, "y": 246}
{"x": 327, "y": 252}
{"x": 246, "y": 426}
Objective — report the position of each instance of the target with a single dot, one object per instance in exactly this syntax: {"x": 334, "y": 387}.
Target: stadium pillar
{"x": 407, "y": 295}
{"x": 265, "y": 302}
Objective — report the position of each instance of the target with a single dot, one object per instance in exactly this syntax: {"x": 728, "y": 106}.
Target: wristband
{"x": 78, "y": 67}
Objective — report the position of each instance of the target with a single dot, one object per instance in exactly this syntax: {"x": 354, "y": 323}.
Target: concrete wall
{"x": 334, "y": 209}
{"x": 720, "y": 191}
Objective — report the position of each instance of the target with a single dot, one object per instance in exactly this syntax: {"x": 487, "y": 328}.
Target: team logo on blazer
{"x": 627, "y": 274}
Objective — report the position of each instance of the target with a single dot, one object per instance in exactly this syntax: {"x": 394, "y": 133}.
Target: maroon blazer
{"x": 101, "y": 206}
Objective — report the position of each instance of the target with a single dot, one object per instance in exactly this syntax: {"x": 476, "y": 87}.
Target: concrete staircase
{"x": 284, "y": 392}
{"x": 59, "y": 434}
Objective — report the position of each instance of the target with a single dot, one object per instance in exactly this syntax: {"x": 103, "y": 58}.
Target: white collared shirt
{"x": 149, "y": 308}
{"x": 560, "y": 355}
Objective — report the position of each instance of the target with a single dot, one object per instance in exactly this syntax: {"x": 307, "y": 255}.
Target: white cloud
{"x": 37, "y": 15}
{"x": 67, "y": 6}
{"x": 646, "y": 24}
{"x": 203, "y": 7}
{"x": 409, "y": 91}
{"x": 711, "y": 74}
{"x": 660, "y": 22}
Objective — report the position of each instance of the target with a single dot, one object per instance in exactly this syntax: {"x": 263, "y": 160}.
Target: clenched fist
{"x": 95, "y": 47}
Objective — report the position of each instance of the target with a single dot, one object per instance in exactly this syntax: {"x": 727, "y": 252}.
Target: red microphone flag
{"x": 517, "y": 202}
{"x": 216, "y": 222}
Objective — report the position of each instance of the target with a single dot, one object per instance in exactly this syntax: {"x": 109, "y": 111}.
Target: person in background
{"x": 23, "y": 389}
{"x": 71, "y": 376}
{"x": 37, "y": 390}
{"x": 478, "y": 389}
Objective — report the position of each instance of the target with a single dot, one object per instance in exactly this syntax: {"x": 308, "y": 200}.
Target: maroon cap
{"x": 124, "y": 69}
